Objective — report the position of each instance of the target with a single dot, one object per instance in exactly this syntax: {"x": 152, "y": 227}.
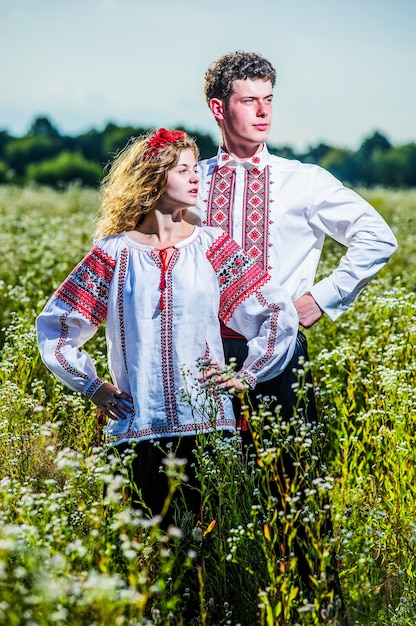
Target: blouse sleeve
{"x": 71, "y": 317}
{"x": 257, "y": 307}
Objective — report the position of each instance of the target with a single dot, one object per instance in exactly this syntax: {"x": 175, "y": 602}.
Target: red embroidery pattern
{"x": 255, "y": 210}
{"x": 86, "y": 288}
{"x": 271, "y": 340}
{"x": 252, "y": 381}
{"x": 58, "y": 350}
{"x": 64, "y": 363}
{"x": 221, "y": 198}
{"x": 166, "y": 339}
{"x": 93, "y": 388}
{"x": 238, "y": 275}
{"x": 150, "y": 432}
{"x": 121, "y": 278}
{"x": 255, "y": 215}
{"x": 164, "y": 262}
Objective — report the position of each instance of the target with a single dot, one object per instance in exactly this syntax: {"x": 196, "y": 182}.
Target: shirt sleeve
{"x": 71, "y": 317}
{"x": 345, "y": 216}
{"x": 257, "y": 307}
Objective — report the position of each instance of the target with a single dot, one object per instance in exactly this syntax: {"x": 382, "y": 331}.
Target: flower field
{"x": 73, "y": 553}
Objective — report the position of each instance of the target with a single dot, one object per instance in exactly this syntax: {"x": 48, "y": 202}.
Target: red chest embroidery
{"x": 221, "y": 199}
{"x": 238, "y": 275}
{"x": 255, "y": 209}
{"x": 255, "y": 215}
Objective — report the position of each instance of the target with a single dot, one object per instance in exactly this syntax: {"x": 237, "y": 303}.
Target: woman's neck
{"x": 162, "y": 230}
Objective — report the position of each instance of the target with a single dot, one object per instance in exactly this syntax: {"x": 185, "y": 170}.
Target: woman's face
{"x": 182, "y": 186}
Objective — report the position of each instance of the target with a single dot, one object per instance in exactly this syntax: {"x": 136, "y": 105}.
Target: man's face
{"x": 246, "y": 118}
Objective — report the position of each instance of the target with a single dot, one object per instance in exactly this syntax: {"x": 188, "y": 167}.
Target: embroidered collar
{"x": 258, "y": 161}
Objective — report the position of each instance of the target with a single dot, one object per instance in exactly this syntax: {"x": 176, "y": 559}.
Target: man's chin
{"x": 262, "y": 136}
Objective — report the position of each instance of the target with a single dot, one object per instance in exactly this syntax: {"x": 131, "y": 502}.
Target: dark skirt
{"x": 150, "y": 486}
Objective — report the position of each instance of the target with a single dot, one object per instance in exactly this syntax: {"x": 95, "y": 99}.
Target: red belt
{"x": 228, "y": 333}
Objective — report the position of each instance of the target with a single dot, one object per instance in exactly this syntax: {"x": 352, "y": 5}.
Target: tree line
{"x": 45, "y": 156}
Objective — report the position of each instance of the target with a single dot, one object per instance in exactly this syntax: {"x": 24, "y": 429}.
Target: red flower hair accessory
{"x": 160, "y": 139}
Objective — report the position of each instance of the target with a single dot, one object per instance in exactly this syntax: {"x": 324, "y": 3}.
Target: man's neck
{"x": 242, "y": 153}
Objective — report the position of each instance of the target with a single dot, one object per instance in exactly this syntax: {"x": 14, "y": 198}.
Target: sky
{"x": 346, "y": 68}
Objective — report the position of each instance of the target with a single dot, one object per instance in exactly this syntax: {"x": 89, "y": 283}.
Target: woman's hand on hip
{"x": 112, "y": 402}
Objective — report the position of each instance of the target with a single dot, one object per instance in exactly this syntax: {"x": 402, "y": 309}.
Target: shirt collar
{"x": 258, "y": 161}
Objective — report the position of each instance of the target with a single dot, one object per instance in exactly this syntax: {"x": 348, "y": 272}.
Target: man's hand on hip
{"x": 308, "y": 311}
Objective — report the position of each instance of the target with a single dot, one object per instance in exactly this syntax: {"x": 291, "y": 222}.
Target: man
{"x": 280, "y": 211}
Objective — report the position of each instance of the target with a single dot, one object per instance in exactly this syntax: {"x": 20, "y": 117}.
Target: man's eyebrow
{"x": 270, "y": 95}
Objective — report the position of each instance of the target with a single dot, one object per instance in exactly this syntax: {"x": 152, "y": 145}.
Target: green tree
{"x": 4, "y": 170}
{"x": 90, "y": 145}
{"x": 316, "y": 153}
{"x": 65, "y": 168}
{"x": 207, "y": 146}
{"x": 283, "y": 151}
{"x": 375, "y": 144}
{"x": 116, "y": 137}
{"x": 395, "y": 167}
{"x": 342, "y": 164}
{"x": 21, "y": 152}
{"x": 42, "y": 127}
{"x": 4, "y": 140}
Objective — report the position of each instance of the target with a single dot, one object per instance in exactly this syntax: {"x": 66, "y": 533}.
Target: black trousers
{"x": 280, "y": 387}
{"x": 149, "y": 490}
{"x": 149, "y": 483}
{"x": 288, "y": 403}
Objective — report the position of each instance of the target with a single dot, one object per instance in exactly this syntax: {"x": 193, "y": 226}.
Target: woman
{"x": 162, "y": 284}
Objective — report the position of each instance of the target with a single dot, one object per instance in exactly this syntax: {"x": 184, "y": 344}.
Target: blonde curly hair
{"x": 137, "y": 179}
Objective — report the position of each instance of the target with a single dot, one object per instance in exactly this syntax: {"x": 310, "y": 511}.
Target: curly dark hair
{"x": 238, "y": 65}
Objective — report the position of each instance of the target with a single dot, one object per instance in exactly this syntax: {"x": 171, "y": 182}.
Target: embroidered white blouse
{"x": 280, "y": 210}
{"x": 160, "y": 321}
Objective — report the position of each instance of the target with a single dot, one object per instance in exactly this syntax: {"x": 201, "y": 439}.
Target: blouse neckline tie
{"x": 163, "y": 254}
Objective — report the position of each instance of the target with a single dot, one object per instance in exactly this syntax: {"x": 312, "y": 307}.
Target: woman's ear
{"x": 217, "y": 108}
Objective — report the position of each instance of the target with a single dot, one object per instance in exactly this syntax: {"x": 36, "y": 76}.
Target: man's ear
{"x": 217, "y": 108}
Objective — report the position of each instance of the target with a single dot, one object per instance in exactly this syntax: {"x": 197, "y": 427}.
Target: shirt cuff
{"x": 92, "y": 387}
{"x": 327, "y": 298}
{"x": 247, "y": 378}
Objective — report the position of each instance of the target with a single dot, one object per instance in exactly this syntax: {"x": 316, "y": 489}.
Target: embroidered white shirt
{"x": 160, "y": 321}
{"x": 280, "y": 211}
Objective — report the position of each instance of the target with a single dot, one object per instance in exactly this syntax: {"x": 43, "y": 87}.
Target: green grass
{"x": 72, "y": 554}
